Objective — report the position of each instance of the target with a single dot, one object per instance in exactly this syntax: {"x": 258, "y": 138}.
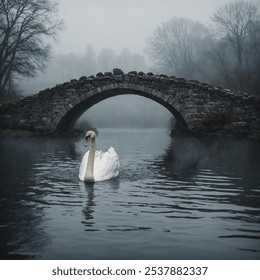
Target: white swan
{"x": 98, "y": 166}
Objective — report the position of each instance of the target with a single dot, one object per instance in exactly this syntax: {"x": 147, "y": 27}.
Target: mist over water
{"x": 180, "y": 198}
{"x": 128, "y": 111}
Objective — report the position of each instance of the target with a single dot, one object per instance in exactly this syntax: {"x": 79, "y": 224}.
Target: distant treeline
{"x": 224, "y": 53}
{"x": 64, "y": 67}
{"x": 227, "y": 53}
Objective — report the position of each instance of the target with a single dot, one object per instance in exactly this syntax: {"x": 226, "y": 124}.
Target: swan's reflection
{"x": 88, "y": 211}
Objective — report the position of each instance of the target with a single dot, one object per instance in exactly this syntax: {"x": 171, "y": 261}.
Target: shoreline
{"x": 27, "y": 133}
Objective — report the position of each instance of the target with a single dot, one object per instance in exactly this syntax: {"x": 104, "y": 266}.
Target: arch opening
{"x": 126, "y": 111}
{"x": 69, "y": 120}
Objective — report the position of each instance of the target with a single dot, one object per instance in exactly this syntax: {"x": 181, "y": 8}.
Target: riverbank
{"x": 17, "y": 133}
{"x": 78, "y": 132}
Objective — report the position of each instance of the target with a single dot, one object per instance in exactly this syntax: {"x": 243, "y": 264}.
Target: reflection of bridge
{"x": 196, "y": 106}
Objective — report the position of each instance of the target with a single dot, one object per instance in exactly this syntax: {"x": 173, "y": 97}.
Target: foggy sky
{"x": 117, "y": 24}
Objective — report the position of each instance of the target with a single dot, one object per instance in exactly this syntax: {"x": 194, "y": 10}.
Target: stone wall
{"x": 197, "y": 107}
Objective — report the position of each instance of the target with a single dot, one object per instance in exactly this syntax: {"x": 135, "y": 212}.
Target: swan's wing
{"x": 83, "y": 166}
{"x": 106, "y": 165}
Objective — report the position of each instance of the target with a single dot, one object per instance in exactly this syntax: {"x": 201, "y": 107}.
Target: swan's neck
{"x": 89, "y": 175}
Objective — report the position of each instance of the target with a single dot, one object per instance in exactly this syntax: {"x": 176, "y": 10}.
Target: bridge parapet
{"x": 197, "y": 107}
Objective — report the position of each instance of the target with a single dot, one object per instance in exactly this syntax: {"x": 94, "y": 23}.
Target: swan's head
{"x": 90, "y": 137}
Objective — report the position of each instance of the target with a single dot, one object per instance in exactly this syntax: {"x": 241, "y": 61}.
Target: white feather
{"x": 106, "y": 165}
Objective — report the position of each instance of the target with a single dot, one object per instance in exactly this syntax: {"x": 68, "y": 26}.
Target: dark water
{"x": 185, "y": 198}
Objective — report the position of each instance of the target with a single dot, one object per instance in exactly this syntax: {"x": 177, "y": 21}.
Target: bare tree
{"x": 25, "y": 26}
{"x": 234, "y": 21}
{"x": 176, "y": 46}
{"x": 254, "y": 57}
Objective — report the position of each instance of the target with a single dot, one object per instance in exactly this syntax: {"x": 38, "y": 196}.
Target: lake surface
{"x": 180, "y": 198}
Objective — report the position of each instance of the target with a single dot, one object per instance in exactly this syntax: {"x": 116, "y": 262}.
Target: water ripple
{"x": 185, "y": 198}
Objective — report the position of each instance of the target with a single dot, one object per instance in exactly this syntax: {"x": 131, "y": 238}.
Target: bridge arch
{"x": 197, "y": 107}
{"x": 67, "y": 120}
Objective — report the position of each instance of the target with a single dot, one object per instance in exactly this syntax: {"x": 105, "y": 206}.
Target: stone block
{"x": 117, "y": 72}
{"x": 118, "y": 78}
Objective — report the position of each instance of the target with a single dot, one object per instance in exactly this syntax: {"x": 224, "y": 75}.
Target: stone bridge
{"x": 197, "y": 107}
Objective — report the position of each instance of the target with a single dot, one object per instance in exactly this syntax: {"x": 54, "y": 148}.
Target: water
{"x": 180, "y": 198}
